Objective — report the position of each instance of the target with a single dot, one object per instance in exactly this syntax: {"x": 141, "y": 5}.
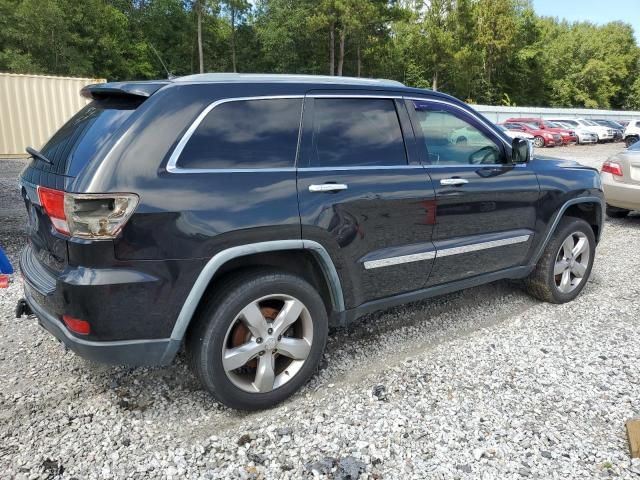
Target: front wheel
{"x": 565, "y": 265}
{"x": 259, "y": 339}
{"x": 538, "y": 142}
{"x": 630, "y": 141}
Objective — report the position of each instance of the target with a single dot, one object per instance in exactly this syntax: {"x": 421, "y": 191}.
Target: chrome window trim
{"x": 389, "y": 261}
{"x": 445, "y": 252}
{"x": 172, "y": 163}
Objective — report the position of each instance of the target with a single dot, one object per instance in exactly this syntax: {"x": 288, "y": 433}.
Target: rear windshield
{"x": 71, "y": 148}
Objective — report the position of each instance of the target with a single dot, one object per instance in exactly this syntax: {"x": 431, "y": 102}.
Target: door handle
{"x": 453, "y": 181}
{"x": 328, "y": 187}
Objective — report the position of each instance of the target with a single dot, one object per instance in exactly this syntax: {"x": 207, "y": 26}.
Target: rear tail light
{"x": 98, "y": 216}
{"x": 76, "y": 325}
{"x": 613, "y": 168}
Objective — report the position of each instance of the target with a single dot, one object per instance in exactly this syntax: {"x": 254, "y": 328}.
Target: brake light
{"x": 613, "y": 168}
{"x": 53, "y": 203}
{"x": 76, "y": 325}
{"x": 95, "y": 216}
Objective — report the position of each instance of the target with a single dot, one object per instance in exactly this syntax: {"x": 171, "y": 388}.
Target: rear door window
{"x": 260, "y": 133}
{"x": 77, "y": 142}
{"x": 356, "y": 132}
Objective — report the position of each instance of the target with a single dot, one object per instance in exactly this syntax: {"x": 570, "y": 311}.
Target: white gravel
{"x": 486, "y": 383}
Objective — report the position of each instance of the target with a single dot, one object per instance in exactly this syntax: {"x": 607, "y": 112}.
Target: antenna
{"x": 169, "y": 76}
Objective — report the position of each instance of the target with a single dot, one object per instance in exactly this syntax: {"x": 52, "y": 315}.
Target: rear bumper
{"x": 621, "y": 195}
{"x": 123, "y": 352}
{"x": 130, "y": 311}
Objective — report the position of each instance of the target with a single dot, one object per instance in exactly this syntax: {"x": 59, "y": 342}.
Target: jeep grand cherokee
{"x": 242, "y": 215}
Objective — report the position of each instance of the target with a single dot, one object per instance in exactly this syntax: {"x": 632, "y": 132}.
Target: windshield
{"x": 531, "y": 125}
{"x": 550, "y": 125}
{"x": 593, "y": 124}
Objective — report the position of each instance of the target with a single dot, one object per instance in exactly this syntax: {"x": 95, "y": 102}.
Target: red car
{"x": 542, "y": 138}
{"x": 568, "y": 136}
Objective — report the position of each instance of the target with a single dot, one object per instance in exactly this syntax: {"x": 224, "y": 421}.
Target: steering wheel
{"x": 484, "y": 155}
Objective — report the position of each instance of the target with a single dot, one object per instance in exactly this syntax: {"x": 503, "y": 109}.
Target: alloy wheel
{"x": 572, "y": 262}
{"x": 267, "y": 343}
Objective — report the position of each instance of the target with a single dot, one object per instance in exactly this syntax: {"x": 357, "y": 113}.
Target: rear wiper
{"x": 36, "y": 154}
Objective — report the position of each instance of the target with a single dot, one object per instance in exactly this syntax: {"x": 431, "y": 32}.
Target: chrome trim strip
{"x": 218, "y": 260}
{"x": 474, "y": 247}
{"x": 172, "y": 163}
{"x": 386, "y": 262}
{"x": 363, "y": 167}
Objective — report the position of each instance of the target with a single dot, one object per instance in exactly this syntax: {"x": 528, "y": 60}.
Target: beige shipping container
{"x": 33, "y": 107}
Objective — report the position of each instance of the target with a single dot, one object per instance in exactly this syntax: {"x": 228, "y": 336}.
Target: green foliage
{"x": 483, "y": 51}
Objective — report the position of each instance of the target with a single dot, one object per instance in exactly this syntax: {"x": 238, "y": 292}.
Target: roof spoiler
{"x": 134, "y": 89}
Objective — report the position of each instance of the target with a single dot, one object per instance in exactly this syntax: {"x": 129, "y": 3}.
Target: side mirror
{"x": 521, "y": 150}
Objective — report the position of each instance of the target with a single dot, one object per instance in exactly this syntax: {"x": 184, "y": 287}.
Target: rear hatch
{"x": 70, "y": 149}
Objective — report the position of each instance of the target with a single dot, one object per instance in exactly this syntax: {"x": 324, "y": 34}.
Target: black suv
{"x": 242, "y": 215}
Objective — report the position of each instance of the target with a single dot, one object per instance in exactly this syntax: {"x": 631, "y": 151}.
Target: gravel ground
{"x": 486, "y": 383}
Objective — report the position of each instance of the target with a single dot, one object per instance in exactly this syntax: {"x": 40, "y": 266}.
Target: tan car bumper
{"x": 619, "y": 194}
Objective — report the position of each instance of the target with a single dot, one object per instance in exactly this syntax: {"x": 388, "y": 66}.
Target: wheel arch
{"x": 231, "y": 259}
{"x": 590, "y": 209}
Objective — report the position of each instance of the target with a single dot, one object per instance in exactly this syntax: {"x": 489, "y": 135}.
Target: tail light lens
{"x": 613, "y": 168}
{"x": 97, "y": 216}
{"x": 76, "y": 325}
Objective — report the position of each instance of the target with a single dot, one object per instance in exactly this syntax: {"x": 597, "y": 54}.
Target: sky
{"x": 595, "y": 11}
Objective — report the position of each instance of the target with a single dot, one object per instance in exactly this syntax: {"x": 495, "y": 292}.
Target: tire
{"x": 615, "y": 212}
{"x": 543, "y": 283}
{"x": 630, "y": 141}
{"x": 222, "y": 325}
{"x": 538, "y": 142}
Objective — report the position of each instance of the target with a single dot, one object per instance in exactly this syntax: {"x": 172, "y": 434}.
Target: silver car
{"x": 621, "y": 182}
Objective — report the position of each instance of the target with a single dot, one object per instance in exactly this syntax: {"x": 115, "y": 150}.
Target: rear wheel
{"x": 259, "y": 339}
{"x": 538, "y": 142}
{"x": 565, "y": 265}
{"x": 615, "y": 212}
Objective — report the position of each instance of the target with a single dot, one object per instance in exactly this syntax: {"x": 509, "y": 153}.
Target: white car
{"x": 516, "y": 133}
{"x": 585, "y": 133}
{"x": 631, "y": 132}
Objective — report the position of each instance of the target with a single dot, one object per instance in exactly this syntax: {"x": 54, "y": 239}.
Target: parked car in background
{"x": 298, "y": 219}
{"x": 605, "y": 134}
{"x": 541, "y": 138}
{"x": 516, "y": 133}
{"x": 568, "y": 135}
{"x": 621, "y": 182}
{"x": 631, "y": 132}
{"x": 617, "y": 128}
{"x": 585, "y": 133}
